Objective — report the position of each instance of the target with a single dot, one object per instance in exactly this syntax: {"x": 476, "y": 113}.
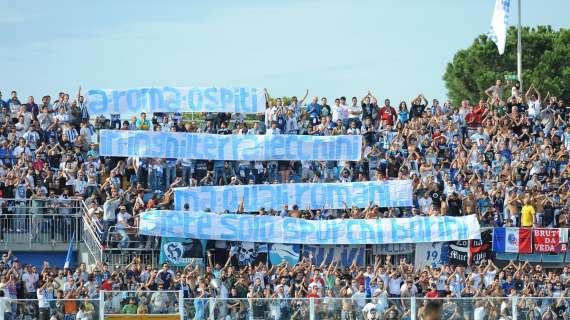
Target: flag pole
{"x": 519, "y": 47}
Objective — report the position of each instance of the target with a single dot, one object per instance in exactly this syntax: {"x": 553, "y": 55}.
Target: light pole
{"x": 519, "y": 47}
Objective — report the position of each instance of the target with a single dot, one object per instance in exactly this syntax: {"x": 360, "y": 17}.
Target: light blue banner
{"x": 131, "y": 102}
{"x": 280, "y": 252}
{"x": 273, "y": 229}
{"x": 391, "y": 193}
{"x": 119, "y": 143}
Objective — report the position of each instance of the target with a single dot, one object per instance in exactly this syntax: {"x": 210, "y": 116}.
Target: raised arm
{"x": 324, "y": 259}
{"x": 489, "y": 91}
{"x": 228, "y": 261}
{"x": 527, "y": 93}
{"x": 304, "y": 97}
{"x": 78, "y": 94}
{"x": 240, "y": 208}
{"x": 267, "y": 96}
{"x": 538, "y": 95}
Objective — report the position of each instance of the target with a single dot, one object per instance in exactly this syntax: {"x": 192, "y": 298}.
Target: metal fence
{"x": 39, "y": 221}
{"x": 41, "y": 205}
{"x": 35, "y": 229}
{"x": 91, "y": 239}
{"x": 160, "y": 302}
{"x": 353, "y": 306}
{"x": 51, "y": 309}
{"x": 107, "y": 251}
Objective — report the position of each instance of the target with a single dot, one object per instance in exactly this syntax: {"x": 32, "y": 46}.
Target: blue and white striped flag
{"x": 499, "y": 23}
{"x": 69, "y": 258}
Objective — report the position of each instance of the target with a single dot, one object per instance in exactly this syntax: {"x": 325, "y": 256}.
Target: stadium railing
{"x": 31, "y": 222}
{"x": 106, "y": 251}
{"x": 50, "y": 308}
{"x": 167, "y": 305}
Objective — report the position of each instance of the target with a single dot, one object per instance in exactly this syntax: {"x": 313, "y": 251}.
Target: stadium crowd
{"x": 381, "y": 290}
{"x": 503, "y": 158}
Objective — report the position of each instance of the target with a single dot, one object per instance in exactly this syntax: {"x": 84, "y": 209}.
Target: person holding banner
{"x": 408, "y": 171}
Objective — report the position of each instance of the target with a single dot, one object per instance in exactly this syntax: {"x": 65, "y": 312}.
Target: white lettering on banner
{"x": 272, "y": 229}
{"x": 120, "y": 143}
{"x": 131, "y": 102}
{"x": 390, "y": 193}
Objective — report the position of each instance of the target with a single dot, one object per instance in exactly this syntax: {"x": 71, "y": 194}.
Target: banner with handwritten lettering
{"x": 547, "y": 240}
{"x": 391, "y": 193}
{"x": 120, "y": 143}
{"x": 273, "y": 229}
{"x": 132, "y": 102}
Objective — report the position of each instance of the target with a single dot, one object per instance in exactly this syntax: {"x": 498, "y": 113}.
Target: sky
{"x": 395, "y": 48}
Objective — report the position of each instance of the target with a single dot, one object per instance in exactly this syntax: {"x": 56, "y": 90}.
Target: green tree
{"x": 545, "y": 57}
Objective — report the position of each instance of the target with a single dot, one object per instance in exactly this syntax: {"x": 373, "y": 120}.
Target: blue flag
{"x": 69, "y": 258}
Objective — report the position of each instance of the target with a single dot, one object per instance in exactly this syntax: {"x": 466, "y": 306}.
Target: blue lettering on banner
{"x": 226, "y": 97}
{"x": 195, "y": 99}
{"x": 116, "y": 94}
{"x": 171, "y": 99}
{"x": 98, "y": 102}
{"x": 313, "y": 195}
{"x": 228, "y": 223}
{"x": 273, "y": 229}
{"x": 134, "y": 100}
{"x": 218, "y": 147}
{"x": 204, "y": 223}
{"x": 324, "y": 231}
{"x": 290, "y": 229}
{"x": 131, "y": 102}
{"x": 210, "y": 95}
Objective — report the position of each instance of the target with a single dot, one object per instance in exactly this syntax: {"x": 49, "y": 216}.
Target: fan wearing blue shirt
{"x": 314, "y": 110}
{"x": 2, "y": 102}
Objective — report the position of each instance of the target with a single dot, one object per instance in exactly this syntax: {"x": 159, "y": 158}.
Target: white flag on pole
{"x": 499, "y": 23}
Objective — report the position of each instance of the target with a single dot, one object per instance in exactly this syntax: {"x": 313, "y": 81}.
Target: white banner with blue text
{"x": 131, "y": 102}
{"x": 390, "y": 193}
{"x": 273, "y": 229}
{"x": 119, "y": 143}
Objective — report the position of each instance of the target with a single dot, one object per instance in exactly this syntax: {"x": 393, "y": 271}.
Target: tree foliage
{"x": 545, "y": 59}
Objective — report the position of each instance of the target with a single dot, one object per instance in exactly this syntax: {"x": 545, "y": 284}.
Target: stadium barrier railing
{"x": 39, "y": 221}
{"x": 105, "y": 251}
{"x": 167, "y": 305}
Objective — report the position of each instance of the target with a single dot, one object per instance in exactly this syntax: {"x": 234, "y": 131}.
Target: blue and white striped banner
{"x": 391, "y": 193}
{"x": 273, "y": 229}
{"x": 131, "y": 102}
{"x": 119, "y": 143}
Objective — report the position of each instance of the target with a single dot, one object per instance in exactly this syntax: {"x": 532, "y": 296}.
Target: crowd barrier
{"x": 39, "y": 221}
{"x": 172, "y": 305}
{"x": 51, "y": 308}
{"x": 101, "y": 250}
{"x": 35, "y": 229}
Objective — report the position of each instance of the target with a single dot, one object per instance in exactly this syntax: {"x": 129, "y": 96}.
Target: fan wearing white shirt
{"x": 354, "y": 111}
{"x": 79, "y": 184}
{"x": 5, "y": 307}
{"x": 273, "y": 129}
{"x": 533, "y": 101}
